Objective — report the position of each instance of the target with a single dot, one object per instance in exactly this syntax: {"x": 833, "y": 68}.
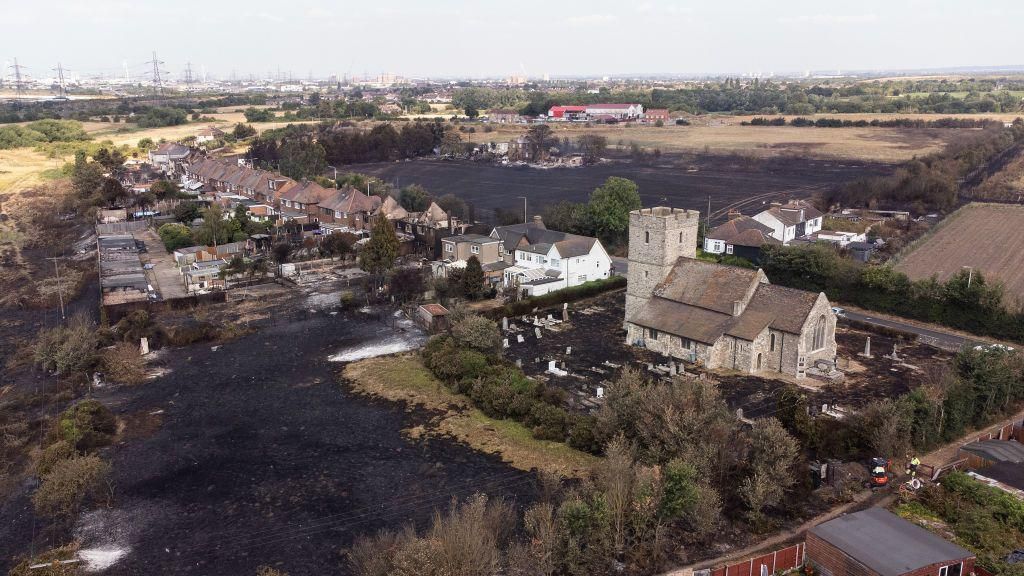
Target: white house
{"x": 791, "y": 220}
{"x": 167, "y": 154}
{"x": 543, "y": 260}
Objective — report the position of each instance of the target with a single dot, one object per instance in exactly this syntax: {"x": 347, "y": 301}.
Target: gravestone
{"x": 568, "y": 350}
{"x": 565, "y": 311}
{"x": 520, "y": 339}
{"x": 144, "y": 346}
{"x": 537, "y": 332}
{"x": 504, "y": 323}
{"x": 504, "y": 342}
{"x": 600, "y": 392}
{"x": 519, "y": 363}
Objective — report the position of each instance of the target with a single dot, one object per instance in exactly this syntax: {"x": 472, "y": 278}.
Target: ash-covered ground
{"x": 252, "y": 453}
{"x": 597, "y": 339}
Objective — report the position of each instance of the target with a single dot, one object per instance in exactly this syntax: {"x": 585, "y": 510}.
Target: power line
{"x": 157, "y": 84}
{"x": 19, "y": 83}
{"x": 62, "y": 92}
{"x": 188, "y": 77}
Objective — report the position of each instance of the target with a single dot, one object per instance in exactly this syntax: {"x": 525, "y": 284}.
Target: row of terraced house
{"x": 334, "y": 210}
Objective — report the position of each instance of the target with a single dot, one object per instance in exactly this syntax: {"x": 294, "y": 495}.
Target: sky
{"x": 487, "y": 38}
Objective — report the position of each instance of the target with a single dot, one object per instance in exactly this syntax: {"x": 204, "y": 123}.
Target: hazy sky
{"x": 491, "y": 38}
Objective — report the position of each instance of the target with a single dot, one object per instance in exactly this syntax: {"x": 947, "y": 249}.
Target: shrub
{"x": 582, "y": 435}
{"x": 54, "y": 454}
{"x": 70, "y": 484}
{"x": 67, "y": 349}
{"x": 87, "y": 425}
{"x": 175, "y": 235}
{"x": 504, "y": 392}
{"x": 585, "y": 290}
{"x": 450, "y": 363}
{"x": 123, "y": 363}
{"x": 478, "y": 333}
{"x": 548, "y": 422}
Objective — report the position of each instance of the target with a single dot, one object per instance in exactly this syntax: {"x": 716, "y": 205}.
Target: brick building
{"x": 715, "y": 315}
{"x": 876, "y": 542}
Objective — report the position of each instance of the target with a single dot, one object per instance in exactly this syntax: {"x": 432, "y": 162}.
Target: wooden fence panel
{"x": 787, "y": 558}
{"x": 766, "y": 560}
{"x": 718, "y": 572}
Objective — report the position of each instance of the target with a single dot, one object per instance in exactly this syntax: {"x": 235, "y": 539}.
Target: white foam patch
{"x": 99, "y": 559}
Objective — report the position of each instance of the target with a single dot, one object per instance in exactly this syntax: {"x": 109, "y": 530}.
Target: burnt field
{"x": 254, "y": 453}
{"x": 681, "y": 181}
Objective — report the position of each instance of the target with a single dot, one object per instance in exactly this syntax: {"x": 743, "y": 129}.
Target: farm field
{"x": 987, "y": 237}
{"x": 724, "y": 134}
{"x": 684, "y": 182}
{"x": 129, "y": 134}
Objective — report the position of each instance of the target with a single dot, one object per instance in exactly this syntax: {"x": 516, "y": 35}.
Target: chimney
{"x": 733, "y": 214}
{"x": 737, "y": 307}
{"x": 538, "y": 221}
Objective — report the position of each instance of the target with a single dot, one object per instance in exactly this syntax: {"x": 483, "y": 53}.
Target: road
{"x": 936, "y": 338}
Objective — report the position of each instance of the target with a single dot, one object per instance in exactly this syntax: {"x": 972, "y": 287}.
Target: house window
{"x": 728, "y": 249}
{"x": 449, "y": 247}
{"x": 819, "y": 334}
{"x": 652, "y": 333}
{"x": 771, "y": 342}
{"x": 474, "y": 249}
{"x": 647, "y": 237}
{"x": 556, "y": 263}
{"x": 951, "y": 570}
{"x": 680, "y": 237}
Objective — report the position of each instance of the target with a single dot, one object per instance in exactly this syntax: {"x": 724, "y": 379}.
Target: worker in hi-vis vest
{"x": 912, "y": 466}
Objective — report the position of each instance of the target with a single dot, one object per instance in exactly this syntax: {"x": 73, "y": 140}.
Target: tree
{"x": 453, "y": 205}
{"x": 146, "y": 144}
{"x": 473, "y": 279}
{"x": 243, "y": 131}
{"x": 215, "y": 229}
{"x": 241, "y": 216}
{"x": 336, "y": 244}
{"x": 281, "y": 252}
{"x": 86, "y": 177}
{"x": 451, "y": 142}
{"x": 609, "y": 207}
{"x": 111, "y": 160}
{"x": 378, "y": 256}
{"x": 253, "y": 114}
{"x": 414, "y": 198}
{"x": 164, "y": 189}
{"x": 592, "y": 146}
{"x": 187, "y": 212}
{"x": 539, "y": 140}
{"x": 112, "y": 191}
{"x": 406, "y": 284}
{"x": 471, "y": 111}
{"x": 175, "y": 235}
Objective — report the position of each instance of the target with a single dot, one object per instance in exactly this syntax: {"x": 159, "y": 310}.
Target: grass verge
{"x": 405, "y": 378}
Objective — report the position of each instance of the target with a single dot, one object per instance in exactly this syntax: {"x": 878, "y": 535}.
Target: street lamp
{"x": 970, "y": 274}
{"x": 335, "y": 172}
{"x": 524, "y": 208}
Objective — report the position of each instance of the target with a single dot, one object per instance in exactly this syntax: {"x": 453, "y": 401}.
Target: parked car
{"x": 840, "y": 312}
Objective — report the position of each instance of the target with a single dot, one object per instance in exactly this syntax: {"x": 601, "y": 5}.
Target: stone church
{"x": 715, "y": 315}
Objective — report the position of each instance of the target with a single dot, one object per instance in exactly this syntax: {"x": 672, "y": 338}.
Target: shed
{"x": 987, "y": 452}
{"x": 433, "y": 317}
{"x": 876, "y": 542}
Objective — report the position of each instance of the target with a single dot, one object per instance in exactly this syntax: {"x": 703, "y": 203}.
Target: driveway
{"x": 164, "y": 276}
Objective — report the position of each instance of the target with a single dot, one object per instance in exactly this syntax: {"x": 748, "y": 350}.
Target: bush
{"x": 123, "y": 363}
{"x": 478, "y": 333}
{"x": 582, "y": 435}
{"x": 175, "y": 235}
{"x": 548, "y": 422}
{"x": 504, "y": 392}
{"x": 70, "y": 484}
{"x": 53, "y": 455}
{"x": 87, "y": 426}
{"x": 585, "y": 290}
{"x": 450, "y": 363}
{"x": 68, "y": 349}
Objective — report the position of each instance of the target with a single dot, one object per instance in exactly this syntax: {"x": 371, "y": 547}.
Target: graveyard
{"x": 581, "y": 347}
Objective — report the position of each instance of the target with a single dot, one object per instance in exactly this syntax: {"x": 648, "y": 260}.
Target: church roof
{"x": 697, "y": 301}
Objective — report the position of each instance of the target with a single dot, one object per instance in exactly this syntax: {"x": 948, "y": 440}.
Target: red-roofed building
{"x": 592, "y": 111}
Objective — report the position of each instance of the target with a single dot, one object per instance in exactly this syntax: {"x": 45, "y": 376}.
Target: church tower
{"x": 657, "y": 238}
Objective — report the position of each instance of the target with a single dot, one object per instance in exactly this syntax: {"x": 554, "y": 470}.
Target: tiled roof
{"x": 308, "y": 192}
{"x": 569, "y": 245}
{"x": 697, "y": 301}
{"x": 743, "y": 231}
{"x": 794, "y": 212}
{"x": 349, "y": 200}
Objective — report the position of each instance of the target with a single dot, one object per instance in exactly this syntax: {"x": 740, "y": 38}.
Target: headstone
{"x": 537, "y": 332}
{"x": 867, "y": 348}
{"x": 514, "y": 327}
{"x": 520, "y": 339}
{"x": 504, "y": 323}
{"x": 600, "y": 392}
{"x": 739, "y": 413}
{"x": 144, "y": 346}
{"x": 565, "y": 312}
{"x": 568, "y": 350}
{"x": 504, "y": 342}
{"x": 550, "y": 317}
{"x": 671, "y": 368}
{"x": 519, "y": 363}
{"x": 551, "y": 366}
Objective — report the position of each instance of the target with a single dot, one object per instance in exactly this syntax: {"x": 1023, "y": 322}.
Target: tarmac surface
{"x": 933, "y": 337}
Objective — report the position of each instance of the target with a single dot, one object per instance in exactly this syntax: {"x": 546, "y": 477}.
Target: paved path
{"x": 164, "y": 275}
{"x": 931, "y": 336}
